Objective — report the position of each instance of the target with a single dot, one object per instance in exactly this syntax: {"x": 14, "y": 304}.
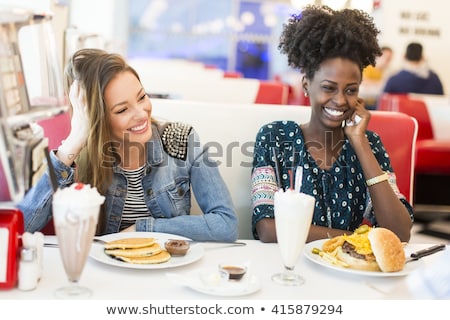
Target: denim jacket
{"x": 167, "y": 187}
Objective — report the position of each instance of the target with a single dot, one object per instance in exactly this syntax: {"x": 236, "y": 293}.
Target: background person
{"x": 145, "y": 169}
{"x": 374, "y": 78}
{"x": 415, "y": 76}
{"x": 344, "y": 166}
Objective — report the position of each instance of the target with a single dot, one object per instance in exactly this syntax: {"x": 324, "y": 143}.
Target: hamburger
{"x": 368, "y": 249}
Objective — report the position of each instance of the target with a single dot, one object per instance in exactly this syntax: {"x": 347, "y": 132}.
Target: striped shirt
{"x": 134, "y": 207}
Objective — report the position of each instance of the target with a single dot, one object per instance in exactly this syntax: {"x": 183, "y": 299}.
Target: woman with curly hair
{"x": 332, "y": 157}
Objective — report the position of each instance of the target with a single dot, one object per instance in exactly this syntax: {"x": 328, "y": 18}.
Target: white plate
{"x": 409, "y": 267}
{"x": 194, "y": 253}
{"x": 228, "y": 288}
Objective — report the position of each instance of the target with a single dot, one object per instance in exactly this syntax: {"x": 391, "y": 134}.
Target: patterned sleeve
{"x": 264, "y": 183}
{"x": 382, "y": 157}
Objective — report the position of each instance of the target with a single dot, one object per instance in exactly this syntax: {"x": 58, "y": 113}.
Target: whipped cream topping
{"x": 78, "y": 201}
{"x": 291, "y": 200}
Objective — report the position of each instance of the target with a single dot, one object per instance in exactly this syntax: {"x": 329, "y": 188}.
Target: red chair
{"x": 432, "y": 155}
{"x": 398, "y": 132}
{"x": 56, "y": 129}
{"x": 272, "y": 92}
{"x": 432, "y": 162}
{"x": 232, "y": 74}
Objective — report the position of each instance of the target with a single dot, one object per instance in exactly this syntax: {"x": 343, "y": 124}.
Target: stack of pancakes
{"x": 137, "y": 250}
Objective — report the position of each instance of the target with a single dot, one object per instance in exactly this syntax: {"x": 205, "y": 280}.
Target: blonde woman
{"x": 145, "y": 169}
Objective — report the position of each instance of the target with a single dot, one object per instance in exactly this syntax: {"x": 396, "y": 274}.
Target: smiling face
{"x": 333, "y": 92}
{"x": 128, "y": 109}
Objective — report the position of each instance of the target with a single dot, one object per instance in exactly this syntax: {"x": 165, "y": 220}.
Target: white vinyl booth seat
{"x": 230, "y": 131}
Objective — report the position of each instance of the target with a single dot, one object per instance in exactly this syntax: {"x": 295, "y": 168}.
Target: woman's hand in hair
{"x": 75, "y": 142}
{"x": 80, "y": 117}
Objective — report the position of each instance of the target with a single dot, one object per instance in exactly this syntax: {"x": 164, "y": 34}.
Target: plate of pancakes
{"x": 142, "y": 250}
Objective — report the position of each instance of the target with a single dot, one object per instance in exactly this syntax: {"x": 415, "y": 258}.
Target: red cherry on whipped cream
{"x": 79, "y": 186}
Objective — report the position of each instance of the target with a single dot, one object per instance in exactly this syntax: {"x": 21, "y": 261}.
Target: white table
{"x": 110, "y": 282}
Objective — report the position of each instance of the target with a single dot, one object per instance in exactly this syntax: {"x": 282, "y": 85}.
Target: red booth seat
{"x": 398, "y": 133}
{"x": 432, "y": 155}
{"x": 272, "y": 92}
{"x": 232, "y": 74}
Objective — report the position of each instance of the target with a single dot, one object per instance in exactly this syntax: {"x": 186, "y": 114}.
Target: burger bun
{"x": 387, "y": 249}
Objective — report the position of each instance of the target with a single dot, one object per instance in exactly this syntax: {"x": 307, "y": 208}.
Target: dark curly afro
{"x": 319, "y": 33}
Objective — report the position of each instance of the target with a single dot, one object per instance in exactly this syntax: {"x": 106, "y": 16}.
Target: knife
{"x": 235, "y": 243}
{"x": 425, "y": 252}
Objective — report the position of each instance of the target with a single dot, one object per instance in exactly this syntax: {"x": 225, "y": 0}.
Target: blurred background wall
{"x": 234, "y": 35}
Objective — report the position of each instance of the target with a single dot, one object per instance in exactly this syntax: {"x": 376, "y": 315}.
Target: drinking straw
{"x": 298, "y": 178}
{"x": 291, "y": 180}
{"x": 51, "y": 170}
{"x": 277, "y": 168}
{"x": 293, "y": 172}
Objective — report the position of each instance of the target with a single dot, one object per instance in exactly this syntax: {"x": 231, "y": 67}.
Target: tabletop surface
{"x": 113, "y": 282}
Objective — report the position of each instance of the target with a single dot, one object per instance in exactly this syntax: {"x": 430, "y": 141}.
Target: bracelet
{"x": 382, "y": 177}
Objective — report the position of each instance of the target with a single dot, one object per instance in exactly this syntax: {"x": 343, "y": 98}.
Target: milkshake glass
{"x": 293, "y": 216}
{"x": 75, "y": 216}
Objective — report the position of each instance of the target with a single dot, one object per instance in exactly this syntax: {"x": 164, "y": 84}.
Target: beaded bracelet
{"x": 382, "y": 177}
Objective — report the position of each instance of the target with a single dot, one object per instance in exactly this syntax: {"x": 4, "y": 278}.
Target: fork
{"x": 234, "y": 243}
{"x": 55, "y": 245}
{"x": 98, "y": 240}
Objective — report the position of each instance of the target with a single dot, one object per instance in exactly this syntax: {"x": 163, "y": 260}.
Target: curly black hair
{"x": 319, "y": 33}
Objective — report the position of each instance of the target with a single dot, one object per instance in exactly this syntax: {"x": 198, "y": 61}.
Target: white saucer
{"x": 218, "y": 287}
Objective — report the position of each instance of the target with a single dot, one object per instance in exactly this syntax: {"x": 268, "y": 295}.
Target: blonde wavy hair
{"x": 94, "y": 69}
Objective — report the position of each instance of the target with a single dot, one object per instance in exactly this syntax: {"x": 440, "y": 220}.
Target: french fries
{"x": 330, "y": 257}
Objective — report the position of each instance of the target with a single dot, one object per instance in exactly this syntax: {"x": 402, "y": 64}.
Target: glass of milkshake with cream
{"x": 293, "y": 215}
{"x": 75, "y": 216}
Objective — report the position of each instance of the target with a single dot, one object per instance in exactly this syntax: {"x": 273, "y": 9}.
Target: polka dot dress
{"x": 342, "y": 198}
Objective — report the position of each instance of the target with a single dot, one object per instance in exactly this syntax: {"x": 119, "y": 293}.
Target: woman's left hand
{"x": 356, "y": 124}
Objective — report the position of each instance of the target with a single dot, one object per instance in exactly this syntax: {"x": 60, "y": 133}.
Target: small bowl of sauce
{"x": 235, "y": 271}
{"x": 177, "y": 247}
